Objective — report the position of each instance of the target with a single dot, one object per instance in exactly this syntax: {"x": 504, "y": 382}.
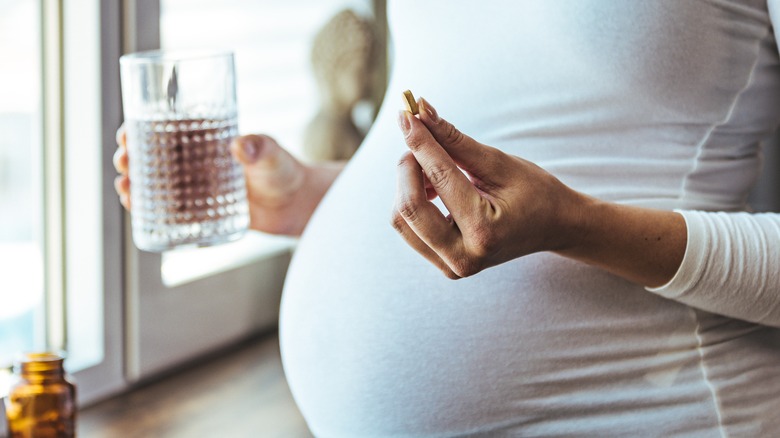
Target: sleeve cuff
{"x": 694, "y": 261}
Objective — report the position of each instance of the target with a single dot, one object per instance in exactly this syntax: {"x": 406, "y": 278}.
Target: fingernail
{"x": 250, "y": 150}
{"x": 403, "y": 121}
{"x": 432, "y": 114}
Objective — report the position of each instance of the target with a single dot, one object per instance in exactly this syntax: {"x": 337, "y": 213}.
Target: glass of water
{"x": 180, "y": 118}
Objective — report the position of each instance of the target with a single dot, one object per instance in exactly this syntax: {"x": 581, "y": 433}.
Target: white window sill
{"x": 186, "y": 265}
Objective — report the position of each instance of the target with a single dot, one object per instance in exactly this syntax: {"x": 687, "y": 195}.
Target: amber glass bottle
{"x": 42, "y": 402}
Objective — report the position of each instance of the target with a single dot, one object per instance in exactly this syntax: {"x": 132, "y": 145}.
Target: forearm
{"x": 724, "y": 263}
{"x": 645, "y": 246}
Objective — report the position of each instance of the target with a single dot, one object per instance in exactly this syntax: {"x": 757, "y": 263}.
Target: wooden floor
{"x": 242, "y": 393}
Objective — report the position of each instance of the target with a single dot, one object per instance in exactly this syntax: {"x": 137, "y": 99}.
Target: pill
{"x": 411, "y": 104}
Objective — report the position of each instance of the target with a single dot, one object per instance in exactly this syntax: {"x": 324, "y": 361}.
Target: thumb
{"x": 472, "y": 156}
{"x": 255, "y": 150}
{"x": 268, "y": 168}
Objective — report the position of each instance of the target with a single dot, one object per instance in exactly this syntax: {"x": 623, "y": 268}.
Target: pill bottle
{"x": 42, "y": 401}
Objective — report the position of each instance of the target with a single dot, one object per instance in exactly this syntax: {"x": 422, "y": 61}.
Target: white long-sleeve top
{"x": 661, "y": 104}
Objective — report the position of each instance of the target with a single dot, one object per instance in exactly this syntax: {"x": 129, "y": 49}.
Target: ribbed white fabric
{"x": 731, "y": 266}
{"x": 660, "y": 103}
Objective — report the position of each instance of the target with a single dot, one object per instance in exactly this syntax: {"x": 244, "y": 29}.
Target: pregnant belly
{"x": 376, "y": 342}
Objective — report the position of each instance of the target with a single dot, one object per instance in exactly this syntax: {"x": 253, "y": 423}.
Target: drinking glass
{"x": 180, "y": 118}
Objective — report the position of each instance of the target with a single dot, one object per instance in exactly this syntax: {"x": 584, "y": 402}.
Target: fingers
{"x": 474, "y": 157}
{"x": 122, "y": 182}
{"x": 120, "y": 160}
{"x": 122, "y": 187}
{"x": 463, "y": 241}
{"x": 418, "y": 245}
{"x": 261, "y": 152}
{"x": 455, "y": 190}
{"x": 269, "y": 170}
{"x": 412, "y": 204}
{"x": 246, "y": 149}
{"x": 429, "y": 190}
{"x": 121, "y": 136}
{"x": 418, "y": 221}
{"x": 120, "y": 156}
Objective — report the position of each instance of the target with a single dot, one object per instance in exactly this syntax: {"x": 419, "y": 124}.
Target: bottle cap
{"x": 36, "y": 362}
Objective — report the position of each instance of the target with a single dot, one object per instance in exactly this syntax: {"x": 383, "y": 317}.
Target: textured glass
{"x": 186, "y": 188}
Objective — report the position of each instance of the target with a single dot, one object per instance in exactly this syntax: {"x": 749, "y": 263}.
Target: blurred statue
{"x": 343, "y": 59}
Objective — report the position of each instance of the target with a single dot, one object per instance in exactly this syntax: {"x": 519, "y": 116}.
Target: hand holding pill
{"x": 500, "y": 206}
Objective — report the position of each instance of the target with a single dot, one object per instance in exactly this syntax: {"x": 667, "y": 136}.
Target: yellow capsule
{"x": 410, "y": 102}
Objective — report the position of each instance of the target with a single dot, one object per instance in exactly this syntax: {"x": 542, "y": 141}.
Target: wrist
{"x": 578, "y": 222}
{"x": 317, "y": 178}
{"x": 315, "y": 181}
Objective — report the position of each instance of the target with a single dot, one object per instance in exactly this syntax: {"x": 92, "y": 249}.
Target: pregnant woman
{"x": 611, "y": 281}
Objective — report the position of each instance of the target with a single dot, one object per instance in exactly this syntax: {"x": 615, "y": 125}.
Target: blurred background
{"x": 71, "y": 278}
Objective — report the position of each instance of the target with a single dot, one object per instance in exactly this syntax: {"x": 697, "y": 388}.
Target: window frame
{"x": 105, "y": 378}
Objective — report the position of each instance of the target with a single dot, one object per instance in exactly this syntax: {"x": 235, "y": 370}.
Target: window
{"x": 71, "y": 277}
{"x": 22, "y": 322}
{"x": 59, "y": 233}
{"x": 91, "y": 234}
{"x": 182, "y": 304}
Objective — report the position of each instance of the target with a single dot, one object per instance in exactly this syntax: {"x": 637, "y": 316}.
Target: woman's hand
{"x": 505, "y": 207}
{"x": 282, "y": 192}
